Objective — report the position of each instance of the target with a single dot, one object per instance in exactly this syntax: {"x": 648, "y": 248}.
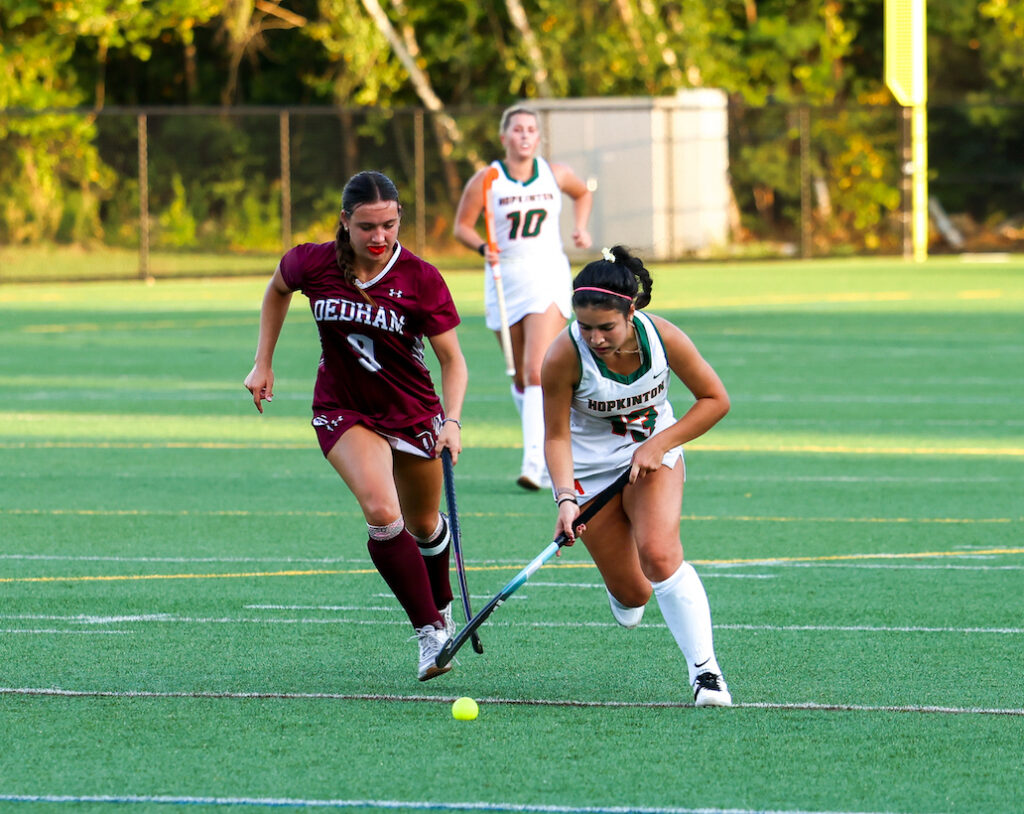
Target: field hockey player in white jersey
{"x": 606, "y": 409}
{"x": 525, "y": 243}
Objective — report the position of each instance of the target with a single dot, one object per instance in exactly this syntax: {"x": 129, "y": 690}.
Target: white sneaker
{"x": 710, "y": 690}
{"x": 533, "y": 478}
{"x": 449, "y": 621}
{"x": 431, "y": 640}
{"x": 628, "y": 617}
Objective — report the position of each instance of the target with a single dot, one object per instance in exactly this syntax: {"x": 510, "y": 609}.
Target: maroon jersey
{"x": 373, "y": 360}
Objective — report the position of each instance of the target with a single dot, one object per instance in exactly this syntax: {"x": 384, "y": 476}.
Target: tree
{"x": 51, "y": 177}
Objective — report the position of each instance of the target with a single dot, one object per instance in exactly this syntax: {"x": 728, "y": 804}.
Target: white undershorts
{"x": 589, "y": 485}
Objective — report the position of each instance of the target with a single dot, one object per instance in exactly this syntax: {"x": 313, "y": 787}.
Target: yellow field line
{"x": 986, "y": 552}
{"x": 151, "y": 445}
{"x": 738, "y": 518}
{"x": 134, "y": 577}
{"x": 588, "y": 565}
{"x": 152, "y": 325}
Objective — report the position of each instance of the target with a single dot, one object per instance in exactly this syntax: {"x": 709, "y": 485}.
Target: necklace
{"x": 620, "y": 351}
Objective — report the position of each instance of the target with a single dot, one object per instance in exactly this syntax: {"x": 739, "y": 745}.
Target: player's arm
{"x": 559, "y": 375}
{"x": 471, "y": 204}
{"x": 711, "y": 399}
{"x": 276, "y": 299}
{"x": 582, "y": 202}
{"x": 454, "y": 380}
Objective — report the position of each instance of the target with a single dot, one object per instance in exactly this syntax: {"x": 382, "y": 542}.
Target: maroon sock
{"x": 439, "y": 568}
{"x": 398, "y": 560}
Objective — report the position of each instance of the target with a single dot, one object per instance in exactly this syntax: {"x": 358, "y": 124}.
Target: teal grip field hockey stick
{"x": 453, "y": 525}
{"x": 451, "y": 647}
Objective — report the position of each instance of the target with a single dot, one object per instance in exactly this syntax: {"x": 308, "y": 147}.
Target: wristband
{"x": 454, "y": 421}
{"x": 566, "y": 499}
{"x": 482, "y": 248}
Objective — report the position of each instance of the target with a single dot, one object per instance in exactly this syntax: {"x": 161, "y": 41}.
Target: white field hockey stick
{"x": 490, "y": 175}
{"x": 598, "y": 502}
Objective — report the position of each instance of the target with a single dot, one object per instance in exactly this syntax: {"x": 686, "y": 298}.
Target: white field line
{"x": 1007, "y": 631}
{"x": 388, "y": 608}
{"x": 482, "y": 564}
{"x": 361, "y": 561}
{"x": 852, "y": 398}
{"x": 907, "y": 567}
{"x": 811, "y": 706}
{"x": 872, "y": 479}
{"x": 481, "y": 597}
{"x": 417, "y": 805}
{"x": 55, "y": 632}
{"x": 167, "y": 618}
{"x": 502, "y": 516}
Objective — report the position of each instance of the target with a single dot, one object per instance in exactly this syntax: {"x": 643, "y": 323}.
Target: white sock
{"x": 684, "y": 604}
{"x": 438, "y": 540}
{"x": 626, "y": 616}
{"x": 517, "y": 398}
{"x": 533, "y": 429}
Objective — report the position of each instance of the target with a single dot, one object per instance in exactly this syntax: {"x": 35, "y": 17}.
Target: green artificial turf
{"x": 189, "y": 618}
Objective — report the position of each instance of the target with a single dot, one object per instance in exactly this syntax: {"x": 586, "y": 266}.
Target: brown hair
{"x": 368, "y": 186}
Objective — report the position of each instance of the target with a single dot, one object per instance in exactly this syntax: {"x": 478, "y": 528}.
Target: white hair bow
{"x": 606, "y": 253}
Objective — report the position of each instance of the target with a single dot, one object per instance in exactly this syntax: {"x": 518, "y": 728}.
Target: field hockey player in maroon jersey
{"x": 376, "y": 413}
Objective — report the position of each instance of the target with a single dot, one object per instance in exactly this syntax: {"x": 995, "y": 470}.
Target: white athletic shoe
{"x": 710, "y": 690}
{"x": 533, "y": 478}
{"x": 628, "y": 617}
{"x": 431, "y": 640}
{"x": 449, "y": 621}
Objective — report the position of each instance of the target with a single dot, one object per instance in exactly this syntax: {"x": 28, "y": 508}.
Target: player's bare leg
{"x": 365, "y": 462}
{"x": 653, "y": 509}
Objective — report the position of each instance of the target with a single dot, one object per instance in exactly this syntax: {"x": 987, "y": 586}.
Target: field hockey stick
{"x": 451, "y": 647}
{"x": 490, "y": 176}
{"x": 453, "y": 524}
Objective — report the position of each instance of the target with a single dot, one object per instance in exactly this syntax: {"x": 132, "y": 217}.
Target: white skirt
{"x": 530, "y": 287}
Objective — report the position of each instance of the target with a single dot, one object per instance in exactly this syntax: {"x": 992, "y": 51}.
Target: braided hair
{"x": 364, "y": 187}
{"x": 620, "y": 280}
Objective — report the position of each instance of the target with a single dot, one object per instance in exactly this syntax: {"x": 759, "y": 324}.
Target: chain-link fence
{"x": 170, "y": 191}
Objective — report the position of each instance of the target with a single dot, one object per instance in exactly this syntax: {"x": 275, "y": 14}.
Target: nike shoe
{"x": 710, "y": 690}
{"x": 431, "y": 640}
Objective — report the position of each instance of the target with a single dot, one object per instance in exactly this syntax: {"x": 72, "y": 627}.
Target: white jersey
{"x": 534, "y": 267}
{"x": 612, "y": 414}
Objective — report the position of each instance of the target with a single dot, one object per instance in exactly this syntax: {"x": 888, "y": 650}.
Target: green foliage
{"x": 56, "y": 185}
{"x": 362, "y": 71}
{"x": 1002, "y": 42}
{"x": 51, "y": 179}
{"x": 176, "y": 224}
{"x": 255, "y": 224}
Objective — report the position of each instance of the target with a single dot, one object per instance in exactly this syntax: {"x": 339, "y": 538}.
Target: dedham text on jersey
{"x": 336, "y": 310}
